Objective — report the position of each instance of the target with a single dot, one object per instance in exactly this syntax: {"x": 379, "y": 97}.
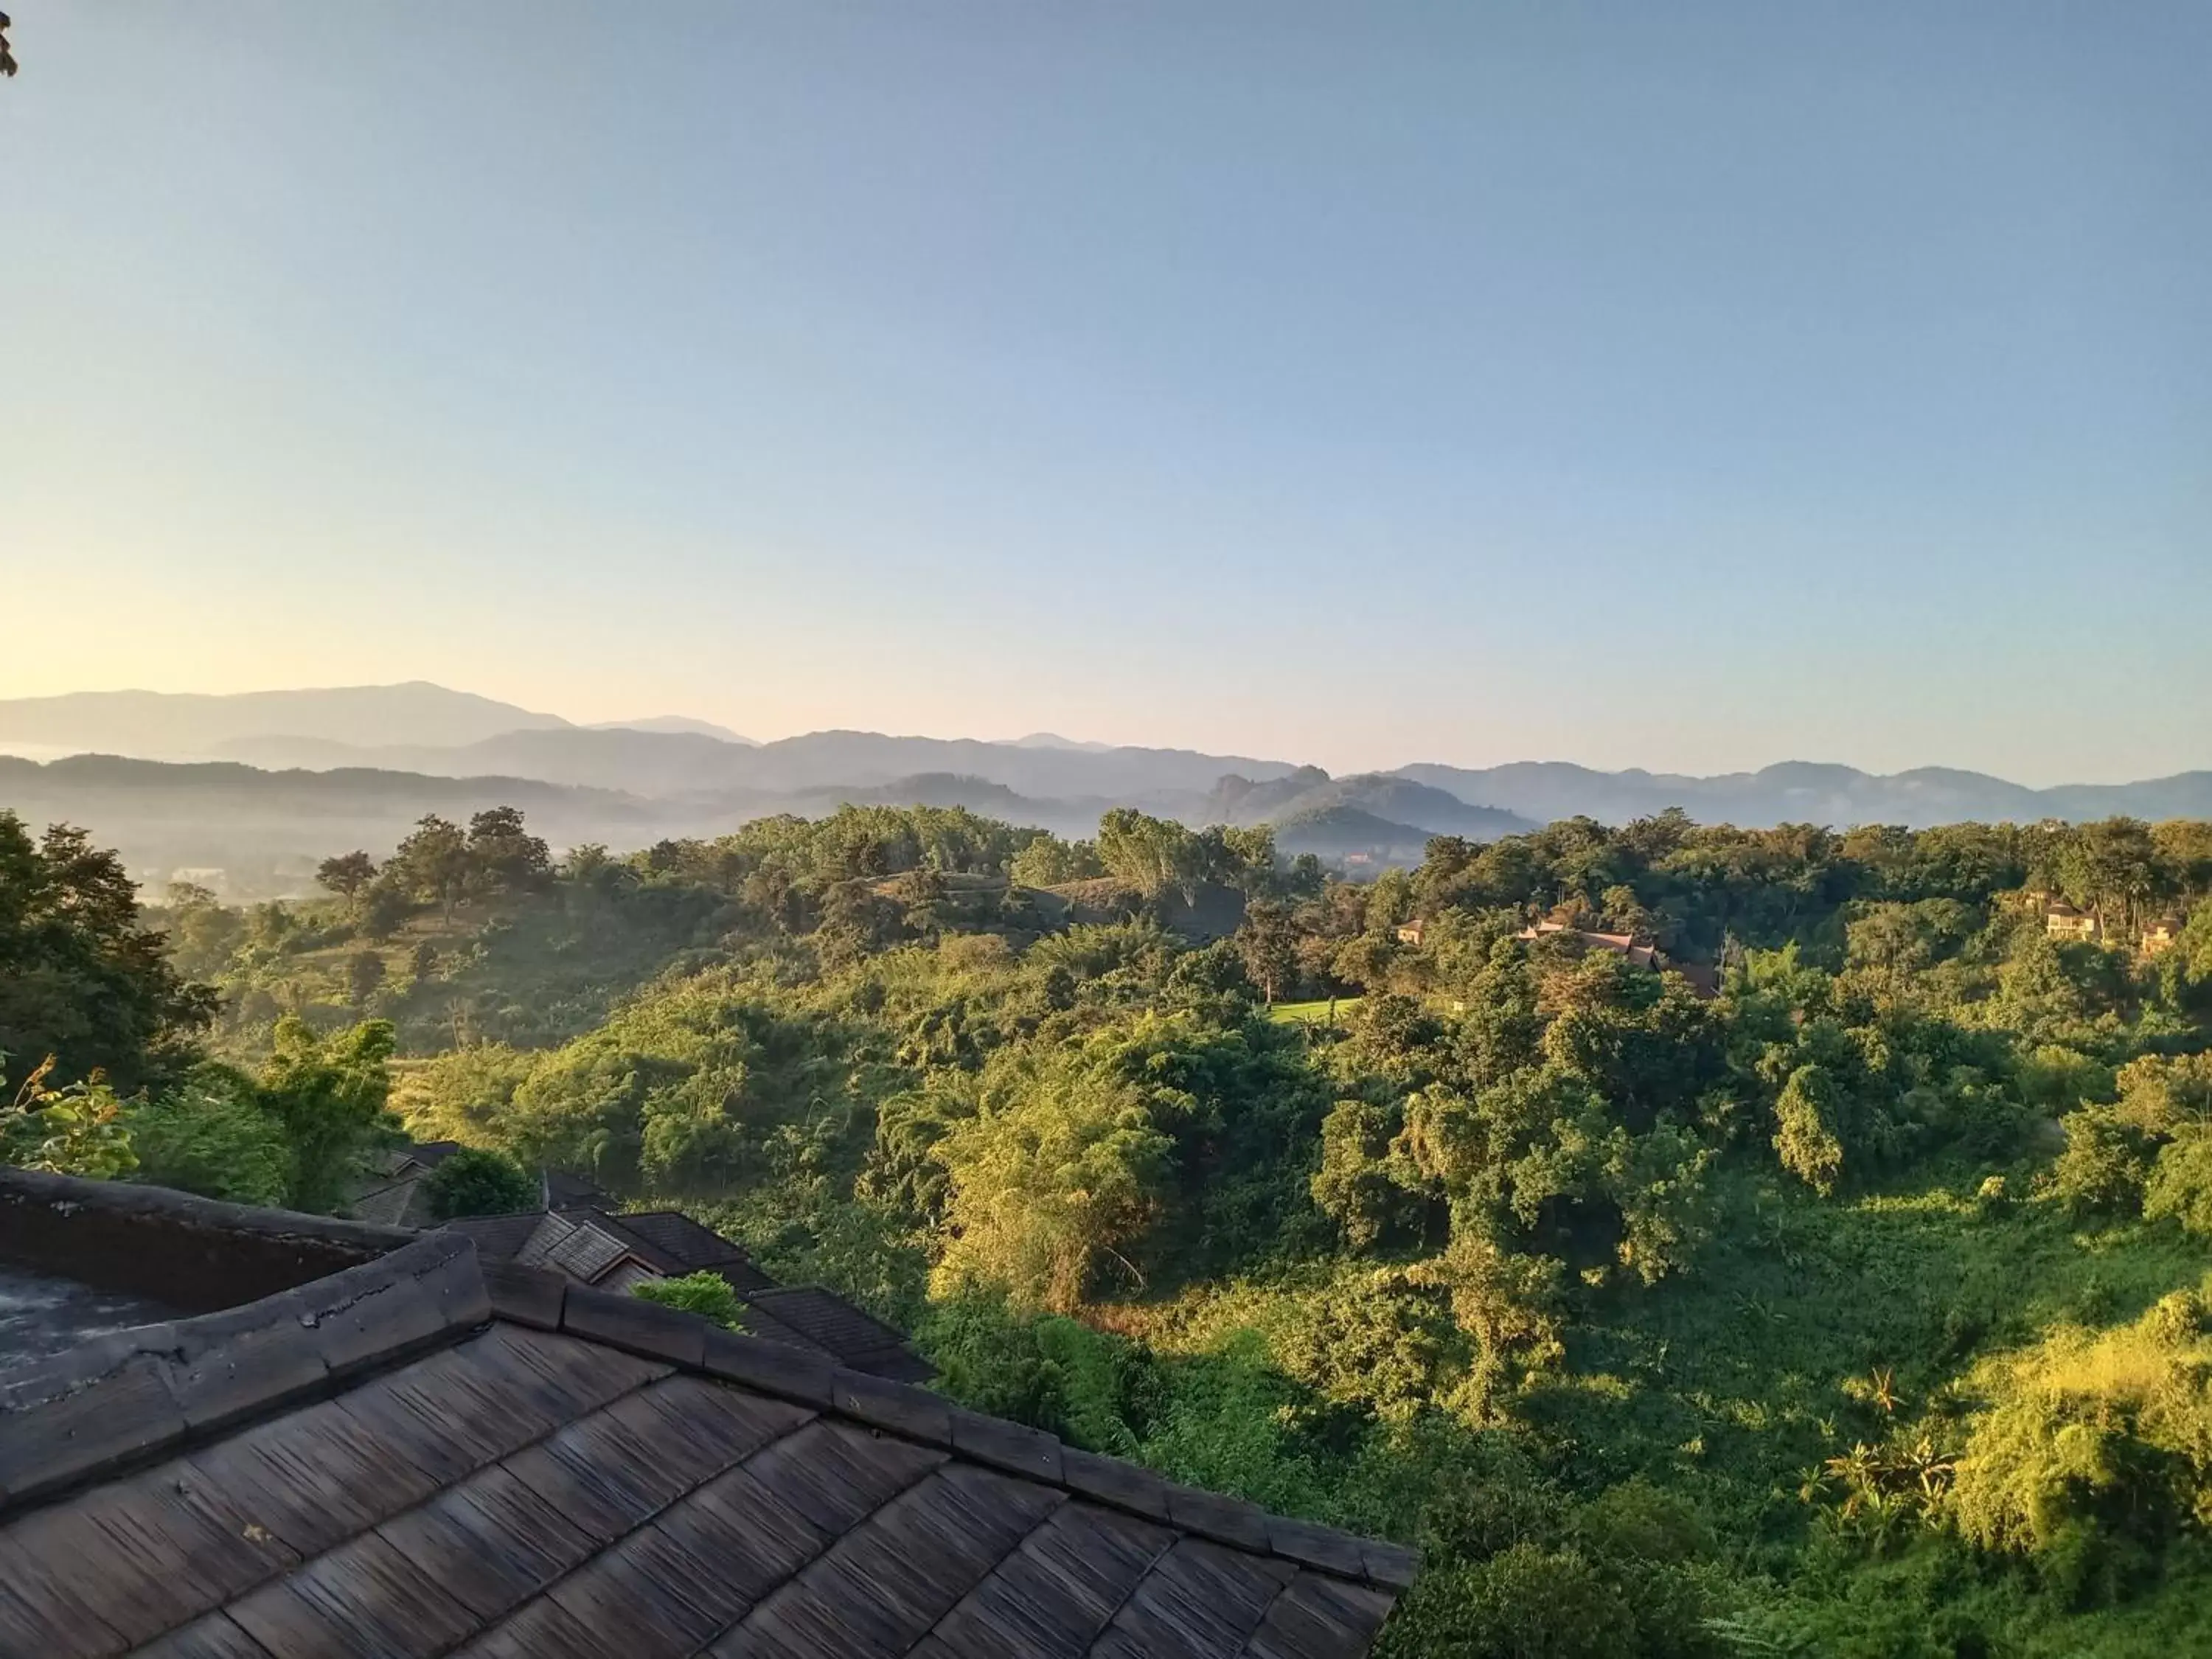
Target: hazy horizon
{"x": 1690, "y": 392}
{"x": 46, "y": 751}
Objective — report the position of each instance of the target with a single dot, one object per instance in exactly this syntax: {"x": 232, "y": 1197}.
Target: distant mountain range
{"x": 298, "y": 774}
{"x": 665, "y": 763}
{"x": 173, "y": 725}
{"x": 1803, "y": 792}
{"x": 170, "y": 725}
{"x": 675, "y": 723}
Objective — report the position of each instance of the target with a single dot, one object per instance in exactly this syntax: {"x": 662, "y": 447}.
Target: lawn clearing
{"x": 1312, "y": 1013}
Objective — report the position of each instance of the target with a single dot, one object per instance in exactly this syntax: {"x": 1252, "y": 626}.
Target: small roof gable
{"x": 415, "y": 1455}
{"x": 671, "y": 1241}
{"x": 578, "y": 1243}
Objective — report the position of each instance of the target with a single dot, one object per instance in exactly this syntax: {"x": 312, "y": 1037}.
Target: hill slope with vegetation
{"x": 1846, "y": 1296}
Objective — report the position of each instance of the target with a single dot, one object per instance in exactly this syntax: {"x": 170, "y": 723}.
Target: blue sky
{"x": 1692, "y": 386}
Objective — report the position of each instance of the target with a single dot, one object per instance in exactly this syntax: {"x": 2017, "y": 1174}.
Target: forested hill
{"x": 1703, "y": 1242}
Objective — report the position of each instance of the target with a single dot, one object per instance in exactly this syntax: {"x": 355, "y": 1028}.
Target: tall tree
{"x": 364, "y": 973}
{"x": 1268, "y": 944}
{"x": 329, "y": 1093}
{"x": 81, "y": 980}
{"x": 504, "y": 855}
{"x": 347, "y": 874}
{"x": 1151, "y": 854}
{"x": 432, "y": 864}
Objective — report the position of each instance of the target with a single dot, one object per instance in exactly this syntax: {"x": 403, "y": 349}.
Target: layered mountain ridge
{"x": 281, "y": 776}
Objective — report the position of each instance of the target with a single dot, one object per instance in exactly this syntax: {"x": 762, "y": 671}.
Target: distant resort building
{"x": 2063, "y": 921}
{"x": 1621, "y": 945}
{"x": 2161, "y": 936}
{"x": 1704, "y": 977}
{"x": 1412, "y": 933}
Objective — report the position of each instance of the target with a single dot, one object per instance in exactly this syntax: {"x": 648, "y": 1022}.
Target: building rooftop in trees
{"x": 395, "y": 1450}
{"x": 1621, "y": 945}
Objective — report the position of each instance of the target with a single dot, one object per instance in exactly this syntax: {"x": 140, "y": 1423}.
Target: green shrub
{"x": 1805, "y": 1135}
{"x": 212, "y": 1136}
{"x": 473, "y": 1181}
{"x": 708, "y": 1295}
{"x": 2096, "y": 1453}
{"x": 1525, "y": 1602}
{"x": 1046, "y": 1370}
{"x": 2102, "y": 1170}
{"x": 2180, "y": 1184}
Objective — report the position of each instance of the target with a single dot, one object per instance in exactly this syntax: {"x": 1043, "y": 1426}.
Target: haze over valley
{"x": 258, "y": 787}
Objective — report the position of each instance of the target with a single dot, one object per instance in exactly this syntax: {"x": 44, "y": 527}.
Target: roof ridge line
{"x": 547, "y": 1301}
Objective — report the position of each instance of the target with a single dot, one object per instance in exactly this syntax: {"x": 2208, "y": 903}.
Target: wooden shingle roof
{"x": 419, "y": 1457}
{"x": 687, "y": 1245}
{"x": 828, "y": 1322}
{"x": 497, "y": 1237}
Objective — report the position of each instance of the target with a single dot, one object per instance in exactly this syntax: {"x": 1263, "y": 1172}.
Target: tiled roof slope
{"x": 403, "y": 1203}
{"x": 497, "y": 1237}
{"x": 688, "y": 1246}
{"x": 836, "y": 1327}
{"x": 402, "y": 1459}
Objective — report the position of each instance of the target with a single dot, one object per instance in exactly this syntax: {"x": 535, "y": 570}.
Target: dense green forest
{"x": 1829, "y": 1278}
